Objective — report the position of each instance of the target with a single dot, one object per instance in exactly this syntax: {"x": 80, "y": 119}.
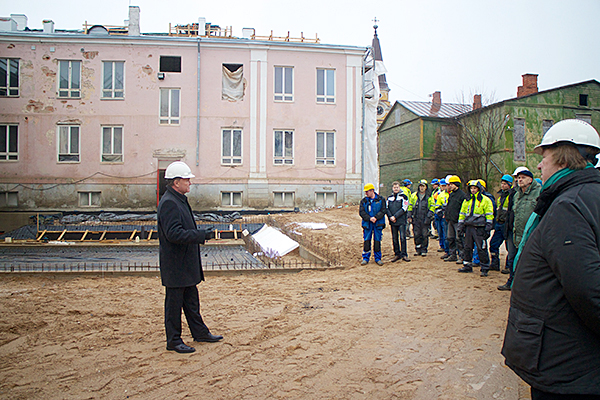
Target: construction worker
{"x": 493, "y": 199}
{"x": 475, "y": 220}
{"x": 406, "y": 189}
{"x": 440, "y": 222}
{"x": 435, "y": 190}
{"x": 552, "y": 338}
{"x": 372, "y": 210}
{"x": 454, "y": 241}
{"x": 397, "y": 210}
{"x": 501, "y": 233}
{"x": 422, "y": 214}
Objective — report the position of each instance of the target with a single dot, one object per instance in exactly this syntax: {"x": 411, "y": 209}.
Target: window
{"x": 89, "y": 199}
{"x": 231, "y": 199}
{"x": 583, "y": 100}
{"x": 584, "y": 117}
{"x": 231, "y": 146}
{"x": 325, "y": 199}
{"x": 170, "y": 64}
{"x": 9, "y": 77}
{"x": 519, "y": 140}
{"x": 449, "y": 138}
{"x": 325, "y": 85}
{"x": 112, "y": 144}
{"x": 232, "y": 82}
{"x": 283, "y": 152}
{"x": 325, "y": 148}
{"x": 546, "y": 124}
{"x": 68, "y": 143}
{"x": 169, "y": 106}
{"x": 9, "y": 199}
{"x": 284, "y": 83}
{"x": 283, "y": 199}
{"x": 112, "y": 79}
{"x": 9, "y": 142}
{"x": 69, "y": 79}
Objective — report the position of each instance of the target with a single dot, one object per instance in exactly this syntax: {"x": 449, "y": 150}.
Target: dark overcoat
{"x": 179, "y": 239}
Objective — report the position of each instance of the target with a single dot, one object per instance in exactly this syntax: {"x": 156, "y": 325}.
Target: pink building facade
{"x": 90, "y": 121}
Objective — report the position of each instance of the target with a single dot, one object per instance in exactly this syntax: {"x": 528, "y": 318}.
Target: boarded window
{"x": 325, "y": 199}
{"x": 583, "y": 100}
{"x": 283, "y": 199}
{"x": 519, "y": 140}
{"x": 9, "y": 199}
{"x": 233, "y": 82}
{"x": 170, "y": 64}
{"x": 584, "y": 117}
{"x": 547, "y": 124}
{"x": 449, "y": 138}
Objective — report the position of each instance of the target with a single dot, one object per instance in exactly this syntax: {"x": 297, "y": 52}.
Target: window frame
{"x": 325, "y": 196}
{"x": 70, "y": 144}
{"x": 90, "y": 198}
{"x": 112, "y": 144}
{"x": 325, "y": 97}
{"x": 169, "y": 120}
{"x": 283, "y": 159}
{"x": 6, "y": 196}
{"x": 324, "y": 161}
{"x": 232, "y": 199}
{"x": 6, "y": 85}
{"x": 584, "y": 98}
{"x": 282, "y": 96}
{"x": 160, "y": 64}
{"x": 71, "y": 92}
{"x": 231, "y": 157}
{"x": 5, "y": 156}
{"x": 113, "y": 90}
{"x": 283, "y": 194}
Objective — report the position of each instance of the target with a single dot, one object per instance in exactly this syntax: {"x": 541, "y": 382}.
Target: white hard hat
{"x": 448, "y": 178}
{"x": 519, "y": 170}
{"x": 573, "y": 131}
{"x": 178, "y": 169}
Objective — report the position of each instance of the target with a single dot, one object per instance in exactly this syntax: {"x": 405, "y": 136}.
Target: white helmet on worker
{"x": 573, "y": 131}
{"x": 178, "y": 169}
{"x": 518, "y": 170}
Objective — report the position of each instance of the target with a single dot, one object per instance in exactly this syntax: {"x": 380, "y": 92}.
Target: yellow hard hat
{"x": 473, "y": 182}
{"x": 482, "y": 183}
{"x": 454, "y": 179}
{"x": 369, "y": 186}
{"x": 423, "y": 182}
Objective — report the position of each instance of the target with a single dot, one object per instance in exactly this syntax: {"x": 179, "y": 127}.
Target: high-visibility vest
{"x": 477, "y": 212}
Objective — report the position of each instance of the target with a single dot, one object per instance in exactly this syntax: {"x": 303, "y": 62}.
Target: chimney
{"x": 247, "y": 33}
{"x": 134, "y": 21}
{"x": 529, "y": 85}
{"x": 476, "y": 102}
{"x": 202, "y": 26}
{"x": 48, "y": 26}
{"x": 7, "y": 24}
{"x": 437, "y": 99}
{"x": 21, "y": 20}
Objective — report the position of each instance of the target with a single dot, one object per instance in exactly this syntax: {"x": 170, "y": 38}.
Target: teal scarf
{"x": 534, "y": 219}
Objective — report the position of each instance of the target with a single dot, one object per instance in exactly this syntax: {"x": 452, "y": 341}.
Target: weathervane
{"x": 375, "y": 21}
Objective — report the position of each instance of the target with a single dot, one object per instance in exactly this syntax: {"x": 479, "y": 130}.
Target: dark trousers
{"x": 399, "y": 240}
{"x": 474, "y": 235}
{"x": 185, "y": 298}
{"x": 421, "y": 231}
{"x": 440, "y": 226}
{"x": 510, "y": 258}
{"x": 454, "y": 241}
{"x": 539, "y": 395}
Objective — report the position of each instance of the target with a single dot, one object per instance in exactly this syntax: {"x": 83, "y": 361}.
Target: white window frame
{"x": 231, "y": 159}
{"x": 280, "y": 198}
{"x": 73, "y": 89}
{"x": 324, "y": 95}
{"x": 89, "y": 198}
{"x": 232, "y": 199}
{"x": 69, "y": 145}
{"x": 109, "y": 157}
{"x": 7, "y": 197}
{"x": 282, "y": 157}
{"x": 113, "y": 92}
{"x": 169, "y": 118}
{"x": 6, "y": 154}
{"x": 6, "y": 86}
{"x": 324, "y": 159}
{"x": 325, "y": 199}
{"x": 283, "y": 95}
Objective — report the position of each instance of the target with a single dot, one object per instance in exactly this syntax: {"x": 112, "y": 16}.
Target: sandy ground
{"x": 416, "y": 330}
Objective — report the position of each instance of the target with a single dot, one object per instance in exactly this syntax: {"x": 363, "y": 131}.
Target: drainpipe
{"x": 198, "y": 109}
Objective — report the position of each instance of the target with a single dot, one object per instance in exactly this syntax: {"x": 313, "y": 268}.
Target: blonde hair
{"x": 568, "y": 155}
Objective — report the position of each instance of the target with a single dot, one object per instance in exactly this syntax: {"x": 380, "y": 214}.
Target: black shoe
{"x": 181, "y": 348}
{"x": 494, "y": 268}
{"x": 505, "y": 271}
{"x": 396, "y": 258}
{"x": 417, "y": 254}
{"x": 440, "y": 250}
{"x": 209, "y": 338}
{"x": 405, "y": 258}
{"x": 506, "y": 286}
{"x": 465, "y": 269}
{"x": 424, "y": 254}
{"x": 445, "y": 256}
{"x": 450, "y": 258}
{"x": 484, "y": 272}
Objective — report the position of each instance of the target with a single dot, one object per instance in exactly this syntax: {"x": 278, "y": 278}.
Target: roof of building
{"x": 428, "y": 109}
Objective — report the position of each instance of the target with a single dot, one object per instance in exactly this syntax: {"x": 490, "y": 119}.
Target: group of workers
{"x": 551, "y": 230}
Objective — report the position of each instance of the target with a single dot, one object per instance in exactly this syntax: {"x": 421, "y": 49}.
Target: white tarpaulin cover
{"x": 371, "y": 164}
{"x": 312, "y": 225}
{"x": 233, "y": 84}
{"x": 273, "y": 242}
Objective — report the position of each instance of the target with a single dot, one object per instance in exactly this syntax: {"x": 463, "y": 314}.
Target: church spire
{"x": 383, "y": 86}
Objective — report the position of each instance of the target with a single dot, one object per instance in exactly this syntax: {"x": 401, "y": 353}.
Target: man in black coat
{"x": 454, "y": 239}
{"x": 179, "y": 258}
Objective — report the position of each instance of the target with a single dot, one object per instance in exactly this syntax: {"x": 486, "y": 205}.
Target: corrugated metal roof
{"x": 427, "y": 109}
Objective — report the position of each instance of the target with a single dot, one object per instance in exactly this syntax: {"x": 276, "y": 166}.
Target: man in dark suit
{"x": 179, "y": 257}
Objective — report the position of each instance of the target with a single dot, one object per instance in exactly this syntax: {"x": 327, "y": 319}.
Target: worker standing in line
{"x": 453, "y": 236}
{"x": 421, "y": 215}
{"x": 440, "y": 208}
{"x": 501, "y": 234}
{"x": 397, "y": 210}
{"x": 372, "y": 210}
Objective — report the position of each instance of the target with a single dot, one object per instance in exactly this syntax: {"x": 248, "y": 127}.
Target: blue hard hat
{"x": 434, "y": 181}
{"x": 443, "y": 181}
{"x": 407, "y": 182}
{"x": 507, "y": 178}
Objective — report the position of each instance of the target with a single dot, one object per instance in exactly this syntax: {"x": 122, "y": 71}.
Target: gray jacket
{"x": 523, "y": 205}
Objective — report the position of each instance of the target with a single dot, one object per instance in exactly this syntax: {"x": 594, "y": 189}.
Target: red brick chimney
{"x": 437, "y": 99}
{"x": 529, "y": 85}
{"x": 476, "y": 102}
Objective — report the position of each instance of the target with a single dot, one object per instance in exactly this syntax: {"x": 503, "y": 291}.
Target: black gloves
{"x": 461, "y": 229}
{"x": 488, "y": 230}
{"x": 209, "y": 232}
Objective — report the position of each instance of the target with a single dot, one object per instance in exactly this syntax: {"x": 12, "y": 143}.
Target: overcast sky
{"x": 458, "y": 47}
